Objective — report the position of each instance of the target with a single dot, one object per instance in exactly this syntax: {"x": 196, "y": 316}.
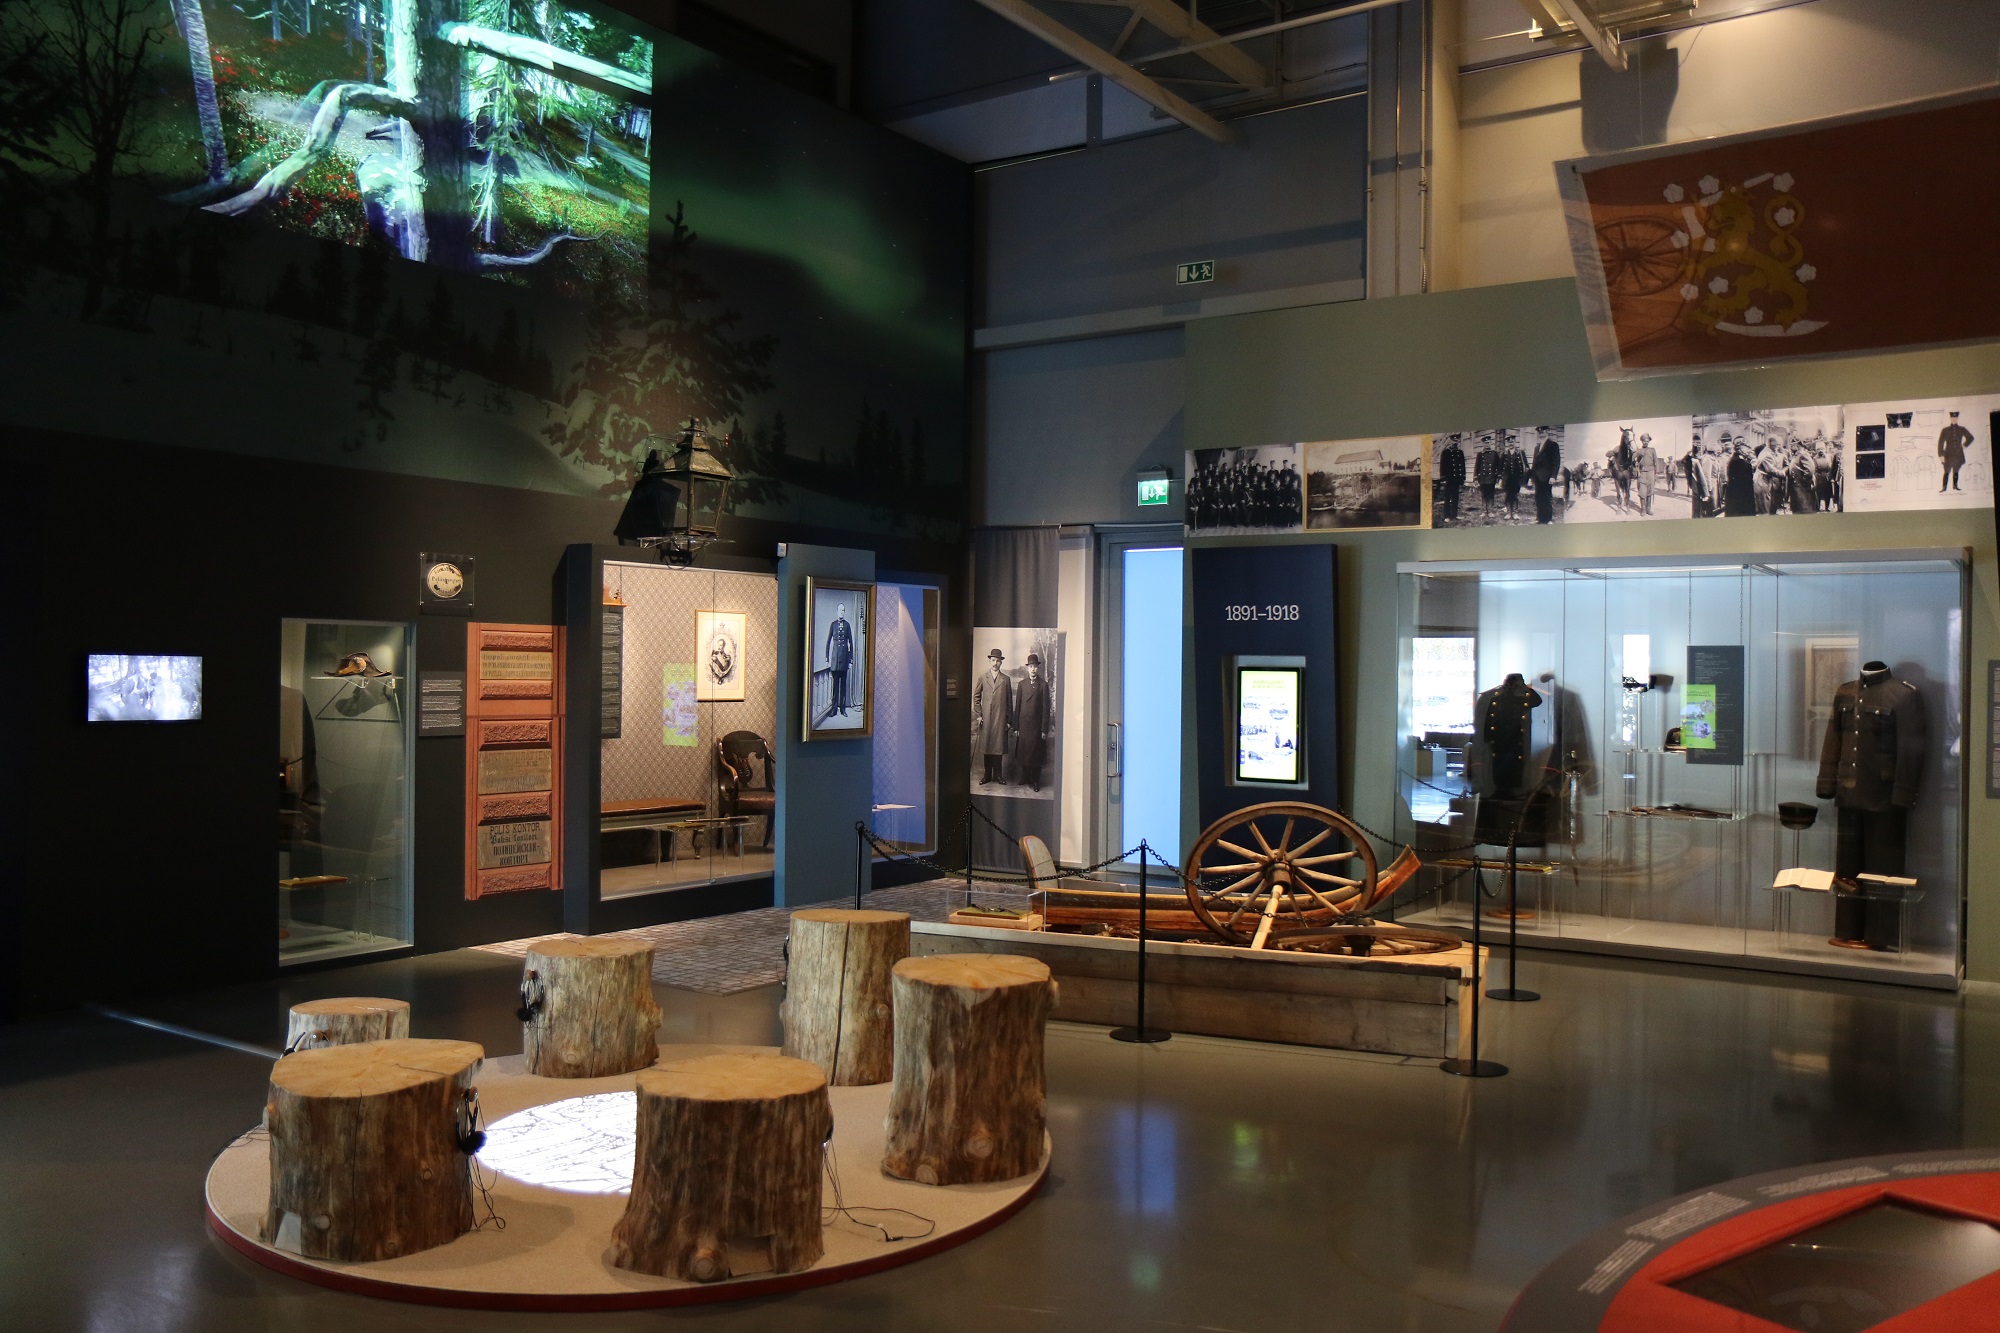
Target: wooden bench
{"x": 658, "y": 816}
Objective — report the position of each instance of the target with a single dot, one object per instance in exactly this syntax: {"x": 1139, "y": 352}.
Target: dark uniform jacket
{"x": 1451, "y": 463}
{"x": 1951, "y": 444}
{"x": 840, "y": 645}
{"x": 1873, "y": 758}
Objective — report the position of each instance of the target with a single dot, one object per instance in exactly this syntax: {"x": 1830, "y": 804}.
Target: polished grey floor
{"x": 1200, "y": 1184}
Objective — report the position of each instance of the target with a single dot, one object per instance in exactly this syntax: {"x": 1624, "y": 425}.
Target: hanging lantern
{"x": 676, "y": 505}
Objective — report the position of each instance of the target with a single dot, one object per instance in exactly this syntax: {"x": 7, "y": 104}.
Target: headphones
{"x": 465, "y": 1123}
{"x": 531, "y": 997}
{"x": 307, "y": 1040}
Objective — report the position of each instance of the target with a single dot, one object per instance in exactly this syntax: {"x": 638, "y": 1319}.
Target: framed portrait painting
{"x": 839, "y": 688}
{"x": 719, "y": 648}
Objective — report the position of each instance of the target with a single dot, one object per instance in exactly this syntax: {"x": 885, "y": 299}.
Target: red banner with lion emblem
{"x": 1868, "y": 232}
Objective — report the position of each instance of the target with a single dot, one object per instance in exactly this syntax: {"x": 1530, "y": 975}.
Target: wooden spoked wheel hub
{"x": 1278, "y": 868}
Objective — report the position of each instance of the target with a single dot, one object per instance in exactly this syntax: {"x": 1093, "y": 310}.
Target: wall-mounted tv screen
{"x": 1268, "y": 730}
{"x": 134, "y": 688}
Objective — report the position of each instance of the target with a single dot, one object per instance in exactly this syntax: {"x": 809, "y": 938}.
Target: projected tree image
{"x": 480, "y": 135}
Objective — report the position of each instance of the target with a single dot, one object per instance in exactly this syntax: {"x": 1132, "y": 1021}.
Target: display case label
{"x": 1712, "y": 704}
{"x": 440, "y": 703}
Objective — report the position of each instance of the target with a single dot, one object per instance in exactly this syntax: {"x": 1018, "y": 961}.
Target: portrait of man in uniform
{"x": 840, "y": 672}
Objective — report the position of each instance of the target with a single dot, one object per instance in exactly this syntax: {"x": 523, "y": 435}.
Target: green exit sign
{"x": 1155, "y": 490}
{"x": 1202, "y": 270}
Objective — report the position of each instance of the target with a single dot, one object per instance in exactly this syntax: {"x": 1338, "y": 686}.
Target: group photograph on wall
{"x": 1233, "y": 492}
{"x": 840, "y": 659}
{"x": 1498, "y": 478}
{"x": 1868, "y": 457}
{"x": 1016, "y": 712}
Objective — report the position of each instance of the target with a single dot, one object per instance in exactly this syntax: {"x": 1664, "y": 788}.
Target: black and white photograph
{"x": 1232, "y": 492}
{"x": 840, "y": 660}
{"x": 1499, "y": 478}
{"x": 1770, "y": 461}
{"x": 1016, "y": 712}
{"x": 124, "y": 688}
{"x": 1932, "y": 453}
{"x": 1625, "y": 470}
{"x": 1366, "y": 483}
{"x": 719, "y": 647}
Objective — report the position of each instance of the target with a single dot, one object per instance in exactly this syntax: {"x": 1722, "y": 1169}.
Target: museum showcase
{"x": 1759, "y": 758}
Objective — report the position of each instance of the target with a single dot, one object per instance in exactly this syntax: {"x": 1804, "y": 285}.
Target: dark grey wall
{"x": 1083, "y": 233}
{"x": 917, "y": 52}
{"x": 1069, "y": 425}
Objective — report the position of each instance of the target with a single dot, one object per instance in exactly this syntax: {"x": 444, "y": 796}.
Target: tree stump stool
{"x": 837, "y": 1010}
{"x": 967, "y": 1100}
{"x": 726, "y": 1171}
{"x": 587, "y": 1007}
{"x": 365, "y": 1156}
{"x": 351, "y": 1019}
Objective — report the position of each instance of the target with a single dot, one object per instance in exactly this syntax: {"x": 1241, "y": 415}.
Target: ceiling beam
{"x": 1078, "y": 48}
{"x": 1552, "y": 14}
{"x": 1183, "y": 27}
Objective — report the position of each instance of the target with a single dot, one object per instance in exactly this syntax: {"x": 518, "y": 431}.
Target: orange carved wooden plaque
{"x": 513, "y": 759}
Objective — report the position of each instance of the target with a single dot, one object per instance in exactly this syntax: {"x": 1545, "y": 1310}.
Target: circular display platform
{"x": 559, "y": 1161}
{"x": 1918, "y": 1248}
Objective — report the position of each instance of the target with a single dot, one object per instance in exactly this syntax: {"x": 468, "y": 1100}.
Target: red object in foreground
{"x": 1649, "y": 1303}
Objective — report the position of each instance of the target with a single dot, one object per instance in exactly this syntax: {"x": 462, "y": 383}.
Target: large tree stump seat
{"x": 365, "y": 1158}
{"x": 337, "y": 1022}
{"x": 726, "y": 1171}
{"x": 838, "y": 1007}
{"x": 966, "y": 1103}
{"x": 588, "y": 1007}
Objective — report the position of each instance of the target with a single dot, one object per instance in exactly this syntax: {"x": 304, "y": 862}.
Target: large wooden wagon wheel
{"x": 1278, "y": 867}
{"x": 1641, "y": 255}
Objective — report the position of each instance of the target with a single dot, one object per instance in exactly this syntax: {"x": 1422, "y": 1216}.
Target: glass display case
{"x": 689, "y": 727}
{"x": 907, "y": 620}
{"x": 1760, "y": 758}
{"x": 345, "y": 737}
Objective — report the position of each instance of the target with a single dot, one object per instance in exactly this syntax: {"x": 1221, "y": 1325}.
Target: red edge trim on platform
{"x": 1647, "y": 1304}
{"x": 539, "y": 1303}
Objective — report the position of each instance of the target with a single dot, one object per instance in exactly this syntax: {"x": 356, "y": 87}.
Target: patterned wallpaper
{"x": 660, "y": 604}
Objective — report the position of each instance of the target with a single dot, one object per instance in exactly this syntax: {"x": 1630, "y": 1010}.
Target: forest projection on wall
{"x": 421, "y": 236}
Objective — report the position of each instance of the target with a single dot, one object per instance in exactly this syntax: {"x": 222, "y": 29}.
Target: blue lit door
{"x": 1142, "y": 742}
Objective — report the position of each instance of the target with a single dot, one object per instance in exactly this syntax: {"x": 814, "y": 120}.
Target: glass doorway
{"x": 1144, "y": 574}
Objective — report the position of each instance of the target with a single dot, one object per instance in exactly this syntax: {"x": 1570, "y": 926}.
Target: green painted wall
{"x": 1514, "y": 356}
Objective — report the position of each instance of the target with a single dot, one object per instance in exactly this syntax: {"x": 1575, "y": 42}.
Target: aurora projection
{"x": 483, "y": 240}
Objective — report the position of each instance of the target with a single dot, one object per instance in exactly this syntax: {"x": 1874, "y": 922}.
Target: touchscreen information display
{"x": 1267, "y": 724}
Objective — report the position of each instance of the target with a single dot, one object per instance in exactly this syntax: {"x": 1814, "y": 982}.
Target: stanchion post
{"x": 1475, "y": 1067}
{"x": 968, "y": 851}
{"x": 860, "y": 859}
{"x": 1511, "y": 991}
{"x": 1139, "y": 1031}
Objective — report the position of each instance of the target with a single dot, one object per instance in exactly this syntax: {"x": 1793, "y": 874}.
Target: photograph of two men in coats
{"x": 1016, "y": 720}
